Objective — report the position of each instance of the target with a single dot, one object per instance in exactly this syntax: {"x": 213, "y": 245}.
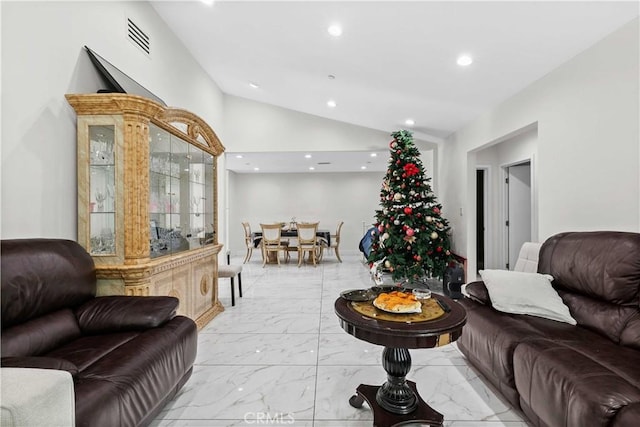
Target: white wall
{"x": 493, "y": 159}
{"x": 43, "y": 59}
{"x": 325, "y": 197}
{"x": 588, "y": 160}
{"x": 257, "y": 127}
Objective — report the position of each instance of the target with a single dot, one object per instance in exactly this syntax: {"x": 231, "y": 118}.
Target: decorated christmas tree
{"x": 412, "y": 240}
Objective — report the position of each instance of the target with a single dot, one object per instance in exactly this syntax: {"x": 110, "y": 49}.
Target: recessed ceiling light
{"x": 253, "y": 85}
{"x": 256, "y": 169}
{"x": 335, "y": 30}
{"x": 207, "y": 2}
{"x": 331, "y": 103}
{"x": 464, "y": 60}
{"x": 409, "y": 122}
{"x": 307, "y": 156}
{"x": 363, "y": 167}
{"x": 311, "y": 168}
{"x": 238, "y": 156}
{"x": 374, "y": 154}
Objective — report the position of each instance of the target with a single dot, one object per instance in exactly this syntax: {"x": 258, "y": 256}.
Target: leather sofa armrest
{"x": 477, "y": 292}
{"x": 125, "y": 313}
{"x": 39, "y": 362}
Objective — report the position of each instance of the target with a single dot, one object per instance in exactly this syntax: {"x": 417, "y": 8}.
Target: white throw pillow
{"x": 525, "y": 293}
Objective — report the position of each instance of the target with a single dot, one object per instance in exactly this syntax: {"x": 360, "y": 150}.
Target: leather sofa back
{"x": 597, "y": 274}
{"x": 42, "y": 281}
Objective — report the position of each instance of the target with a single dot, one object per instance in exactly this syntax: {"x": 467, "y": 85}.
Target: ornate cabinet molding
{"x": 147, "y": 199}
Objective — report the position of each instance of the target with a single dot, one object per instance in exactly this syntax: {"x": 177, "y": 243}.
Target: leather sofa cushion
{"x": 41, "y": 276}
{"x": 604, "y": 265}
{"x": 149, "y": 368}
{"x": 89, "y": 349}
{"x": 39, "y": 336}
{"x": 605, "y": 318}
{"x": 630, "y": 336}
{"x": 39, "y": 363}
{"x": 576, "y": 383}
{"x": 628, "y": 416}
{"x": 489, "y": 339}
{"x": 123, "y": 313}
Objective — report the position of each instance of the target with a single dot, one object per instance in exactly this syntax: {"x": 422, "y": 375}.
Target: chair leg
{"x": 265, "y": 255}
{"x": 240, "y": 284}
{"x": 233, "y": 296}
{"x": 338, "y": 254}
{"x": 247, "y": 257}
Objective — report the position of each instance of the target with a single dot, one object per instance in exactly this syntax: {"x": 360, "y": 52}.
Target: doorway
{"x": 480, "y": 219}
{"x": 518, "y": 215}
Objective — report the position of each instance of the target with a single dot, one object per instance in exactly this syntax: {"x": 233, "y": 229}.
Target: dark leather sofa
{"x": 128, "y": 355}
{"x": 561, "y": 375}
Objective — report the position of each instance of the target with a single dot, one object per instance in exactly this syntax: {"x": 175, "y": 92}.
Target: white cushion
{"x": 36, "y": 397}
{"x": 525, "y": 293}
{"x": 528, "y": 257}
{"x": 229, "y": 270}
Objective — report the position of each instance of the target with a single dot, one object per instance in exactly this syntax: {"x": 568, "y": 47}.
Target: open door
{"x": 518, "y": 221}
{"x": 480, "y": 219}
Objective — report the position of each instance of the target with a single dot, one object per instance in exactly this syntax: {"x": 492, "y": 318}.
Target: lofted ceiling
{"x": 394, "y": 61}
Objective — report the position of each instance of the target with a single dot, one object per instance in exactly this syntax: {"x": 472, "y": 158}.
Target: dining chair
{"x": 248, "y": 241}
{"x": 335, "y": 241}
{"x": 307, "y": 241}
{"x": 271, "y": 242}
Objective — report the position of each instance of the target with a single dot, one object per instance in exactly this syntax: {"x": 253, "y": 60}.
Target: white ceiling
{"x": 395, "y": 60}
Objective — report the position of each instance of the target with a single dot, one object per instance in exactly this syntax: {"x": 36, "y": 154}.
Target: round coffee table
{"x": 397, "y": 401}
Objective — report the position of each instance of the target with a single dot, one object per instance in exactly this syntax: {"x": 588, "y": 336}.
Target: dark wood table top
{"x": 427, "y": 334}
{"x": 256, "y": 236}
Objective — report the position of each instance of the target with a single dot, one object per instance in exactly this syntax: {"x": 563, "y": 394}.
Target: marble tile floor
{"x": 279, "y": 357}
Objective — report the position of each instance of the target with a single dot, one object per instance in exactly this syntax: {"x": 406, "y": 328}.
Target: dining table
{"x": 325, "y": 235}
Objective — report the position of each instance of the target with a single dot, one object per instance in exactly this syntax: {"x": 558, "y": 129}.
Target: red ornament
{"x": 411, "y": 169}
{"x": 404, "y": 228}
{"x": 398, "y": 151}
{"x": 408, "y": 210}
{"x": 409, "y": 232}
{"x": 419, "y": 215}
{"x": 392, "y": 144}
{"x": 418, "y": 258}
{"x": 439, "y": 249}
{"x": 436, "y": 210}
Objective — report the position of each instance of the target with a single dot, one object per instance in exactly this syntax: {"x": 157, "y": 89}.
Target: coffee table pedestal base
{"x": 382, "y": 418}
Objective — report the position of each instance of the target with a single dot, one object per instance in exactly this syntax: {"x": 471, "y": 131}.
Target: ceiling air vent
{"x": 138, "y": 37}
{"x": 324, "y": 163}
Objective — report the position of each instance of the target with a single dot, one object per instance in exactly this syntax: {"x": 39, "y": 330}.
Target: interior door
{"x": 518, "y": 209}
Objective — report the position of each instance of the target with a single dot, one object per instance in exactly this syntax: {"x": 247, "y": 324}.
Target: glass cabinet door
{"x": 181, "y": 194}
{"x": 102, "y": 189}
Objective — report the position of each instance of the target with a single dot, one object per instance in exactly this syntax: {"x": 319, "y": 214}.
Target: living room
{"x": 583, "y": 116}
